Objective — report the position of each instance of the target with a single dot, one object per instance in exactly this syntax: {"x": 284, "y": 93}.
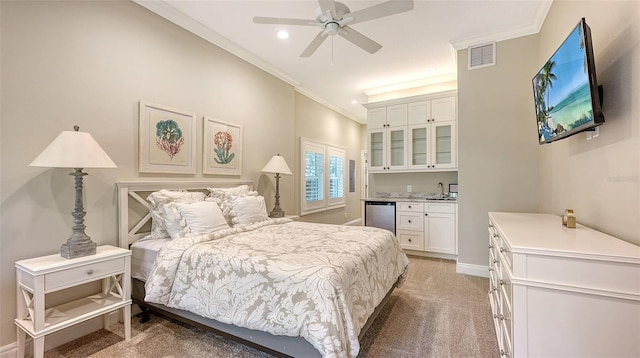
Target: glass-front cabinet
{"x": 413, "y": 134}
{"x": 432, "y": 146}
{"x": 387, "y": 148}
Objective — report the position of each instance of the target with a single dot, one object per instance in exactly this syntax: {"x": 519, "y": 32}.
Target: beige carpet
{"x": 436, "y": 313}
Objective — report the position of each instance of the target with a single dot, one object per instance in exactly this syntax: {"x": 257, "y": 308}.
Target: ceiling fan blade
{"x": 313, "y": 46}
{"x": 380, "y": 10}
{"x": 283, "y": 21}
{"x": 359, "y": 39}
{"x": 328, "y": 6}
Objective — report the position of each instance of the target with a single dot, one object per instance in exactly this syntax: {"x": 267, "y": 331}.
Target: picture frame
{"x": 167, "y": 139}
{"x": 222, "y": 147}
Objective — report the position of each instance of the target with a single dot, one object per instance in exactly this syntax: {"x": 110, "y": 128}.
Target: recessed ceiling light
{"x": 282, "y": 34}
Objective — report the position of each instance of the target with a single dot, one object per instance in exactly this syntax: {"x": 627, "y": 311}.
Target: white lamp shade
{"x": 277, "y": 164}
{"x": 73, "y": 149}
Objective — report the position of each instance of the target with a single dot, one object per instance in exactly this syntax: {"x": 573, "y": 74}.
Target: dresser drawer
{"x": 410, "y": 221}
{"x": 409, "y": 207}
{"x": 87, "y": 273}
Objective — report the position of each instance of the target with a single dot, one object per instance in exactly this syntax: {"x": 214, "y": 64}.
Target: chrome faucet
{"x": 441, "y": 189}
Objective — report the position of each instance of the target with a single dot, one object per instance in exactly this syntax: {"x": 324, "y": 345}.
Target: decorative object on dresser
{"x": 167, "y": 142}
{"x": 569, "y": 219}
{"x": 277, "y": 165}
{"x": 40, "y": 276}
{"x": 222, "y": 143}
{"x": 77, "y": 150}
{"x": 562, "y": 293}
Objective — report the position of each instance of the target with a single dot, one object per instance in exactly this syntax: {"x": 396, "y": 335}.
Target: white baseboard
{"x": 473, "y": 270}
{"x": 356, "y": 222}
{"x": 61, "y": 337}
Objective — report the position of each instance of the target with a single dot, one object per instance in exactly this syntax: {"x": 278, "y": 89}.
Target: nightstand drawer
{"x": 87, "y": 273}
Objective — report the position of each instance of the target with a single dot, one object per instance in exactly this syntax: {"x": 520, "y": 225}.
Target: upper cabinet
{"x": 413, "y": 134}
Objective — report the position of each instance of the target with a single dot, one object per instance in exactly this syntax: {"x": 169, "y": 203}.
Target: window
{"x": 322, "y": 164}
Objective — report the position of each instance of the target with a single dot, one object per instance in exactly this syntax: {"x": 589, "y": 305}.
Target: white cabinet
{"x": 387, "y": 116}
{"x": 412, "y": 134}
{"x": 433, "y": 110}
{"x": 440, "y": 228}
{"x": 42, "y": 275}
{"x": 432, "y": 145}
{"x": 427, "y": 226}
{"x": 561, "y": 292}
{"x": 410, "y": 225}
{"x": 387, "y": 148}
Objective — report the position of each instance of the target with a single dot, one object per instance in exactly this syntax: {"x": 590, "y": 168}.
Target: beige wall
{"x": 599, "y": 178}
{"x": 497, "y": 145}
{"x": 89, "y": 63}
{"x": 318, "y": 123}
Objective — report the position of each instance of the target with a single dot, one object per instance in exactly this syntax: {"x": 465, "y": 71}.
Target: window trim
{"x": 327, "y": 203}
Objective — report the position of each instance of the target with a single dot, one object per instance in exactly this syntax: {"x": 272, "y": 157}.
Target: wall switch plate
{"x": 409, "y": 189}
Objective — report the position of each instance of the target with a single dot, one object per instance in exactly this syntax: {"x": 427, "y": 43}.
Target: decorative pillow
{"x": 163, "y": 197}
{"x": 224, "y": 196}
{"x": 248, "y": 209}
{"x": 188, "y": 219}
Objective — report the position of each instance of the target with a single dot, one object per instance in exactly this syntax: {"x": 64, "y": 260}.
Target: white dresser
{"x": 562, "y": 292}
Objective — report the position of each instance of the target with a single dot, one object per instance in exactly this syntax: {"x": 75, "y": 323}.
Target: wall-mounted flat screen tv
{"x": 565, "y": 90}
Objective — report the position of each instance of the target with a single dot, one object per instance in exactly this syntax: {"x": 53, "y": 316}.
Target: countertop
{"x": 410, "y": 199}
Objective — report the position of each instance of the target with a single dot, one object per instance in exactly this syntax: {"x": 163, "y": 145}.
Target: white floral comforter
{"x": 317, "y": 281}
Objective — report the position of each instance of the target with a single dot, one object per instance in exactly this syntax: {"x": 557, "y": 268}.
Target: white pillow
{"x": 163, "y": 197}
{"x": 189, "y": 219}
{"x": 248, "y": 209}
{"x": 223, "y": 193}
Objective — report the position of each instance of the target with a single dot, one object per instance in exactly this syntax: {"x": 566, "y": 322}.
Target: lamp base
{"x": 73, "y": 250}
{"x": 275, "y": 213}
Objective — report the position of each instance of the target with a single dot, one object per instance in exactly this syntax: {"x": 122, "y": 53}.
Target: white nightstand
{"x": 39, "y": 276}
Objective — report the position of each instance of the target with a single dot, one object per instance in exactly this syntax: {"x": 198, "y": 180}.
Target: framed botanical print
{"x": 222, "y": 147}
{"x": 167, "y": 142}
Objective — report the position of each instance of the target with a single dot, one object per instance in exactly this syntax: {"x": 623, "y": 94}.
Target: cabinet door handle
{"x": 90, "y": 272}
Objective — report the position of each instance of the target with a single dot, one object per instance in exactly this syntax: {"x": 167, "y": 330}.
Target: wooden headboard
{"x": 137, "y": 192}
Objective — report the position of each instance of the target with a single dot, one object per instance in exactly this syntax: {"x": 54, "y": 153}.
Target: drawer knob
{"x": 90, "y": 272}
{"x": 502, "y": 249}
{"x": 426, "y": 214}
{"x": 409, "y": 221}
{"x": 409, "y": 240}
{"x": 409, "y": 206}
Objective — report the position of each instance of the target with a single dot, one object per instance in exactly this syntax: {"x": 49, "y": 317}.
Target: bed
{"x": 287, "y": 288}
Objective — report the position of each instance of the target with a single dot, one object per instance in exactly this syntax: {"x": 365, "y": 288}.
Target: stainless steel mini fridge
{"x": 380, "y": 214}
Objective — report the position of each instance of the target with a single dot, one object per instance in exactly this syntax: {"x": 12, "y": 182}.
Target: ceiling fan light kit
{"x": 332, "y": 17}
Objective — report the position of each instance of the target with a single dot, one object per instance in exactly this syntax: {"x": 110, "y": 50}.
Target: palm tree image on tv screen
{"x": 562, "y": 91}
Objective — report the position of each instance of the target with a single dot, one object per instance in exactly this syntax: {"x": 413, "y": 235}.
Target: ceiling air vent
{"x": 482, "y": 56}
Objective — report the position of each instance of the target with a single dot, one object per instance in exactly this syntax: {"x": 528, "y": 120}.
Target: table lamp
{"x": 277, "y": 165}
{"x": 77, "y": 150}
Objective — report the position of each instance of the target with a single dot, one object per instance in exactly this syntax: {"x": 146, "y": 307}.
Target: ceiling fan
{"x": 333, "y": 17}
